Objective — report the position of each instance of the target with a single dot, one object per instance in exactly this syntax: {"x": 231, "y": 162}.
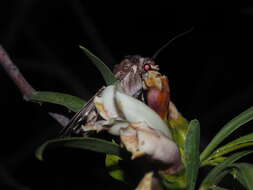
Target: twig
{"x": 11, "y": 69}
{"x": 25, "y": 88}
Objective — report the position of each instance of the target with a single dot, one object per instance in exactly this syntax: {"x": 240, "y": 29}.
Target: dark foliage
{"x": 209, "y": 73}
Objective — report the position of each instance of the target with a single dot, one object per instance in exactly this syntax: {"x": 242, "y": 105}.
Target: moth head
{"x": 136, "y": 64}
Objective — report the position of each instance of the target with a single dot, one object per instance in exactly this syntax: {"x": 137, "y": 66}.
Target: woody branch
{"x": 23, "y": 85}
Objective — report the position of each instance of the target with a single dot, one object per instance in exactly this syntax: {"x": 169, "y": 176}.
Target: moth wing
{"x": 80, "y": 117}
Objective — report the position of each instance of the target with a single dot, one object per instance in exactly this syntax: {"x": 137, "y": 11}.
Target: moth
{"x": 138, "y": 77}
{"x": 131, "y": 73}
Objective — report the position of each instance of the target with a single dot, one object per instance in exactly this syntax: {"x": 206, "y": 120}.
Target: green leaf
{"x": 244, "y": 174}
{"x": 213, "y": 162}
{"x": 177, "y": 181}
{"x": 221, "y": 175}
{"x": 87, "y": 143}
{"x": 231, "y": 126}
{"x": 112, "y": 164}
{"x": 104, "y": 70}
{"x": 217, "y": 188}
{"x": 192, "y": 153}
{"x": 217, "y": 173}
{"x": 179, "y": 128}
{"x": 71, "y": 102}
{"x": 236, "y": 144}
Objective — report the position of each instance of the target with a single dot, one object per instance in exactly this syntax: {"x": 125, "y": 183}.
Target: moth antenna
{"x": 170, "y": 41}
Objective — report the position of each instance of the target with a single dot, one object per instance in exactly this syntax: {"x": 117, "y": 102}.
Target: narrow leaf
{"x": 244, "y": 174}
{"x": 192, "y": 153}
{"x": 101, "y": 66}
{"x": 231, "y": 126}
{"x": 236, "y": 144}
{"x": 71, "y": 102}
{"x": 87, "y": 143}
{"x": 213, "y": 162}
{"x": 217, "y": 188}
{"x": 214, "y": 176}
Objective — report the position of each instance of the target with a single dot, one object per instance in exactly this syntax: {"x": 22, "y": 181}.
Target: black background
{"x": 209, "y": 72}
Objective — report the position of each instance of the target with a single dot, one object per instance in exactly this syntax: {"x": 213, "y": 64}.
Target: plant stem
{"x": 23, "y": 85}
{"x": 12, "y": 70}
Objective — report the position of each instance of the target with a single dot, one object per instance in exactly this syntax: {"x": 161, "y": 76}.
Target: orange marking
{"x": 158, "y": 99}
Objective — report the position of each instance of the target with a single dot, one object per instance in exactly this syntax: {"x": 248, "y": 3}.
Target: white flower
{"x": 113, "y": 104}
{"x": 141, "y": 130}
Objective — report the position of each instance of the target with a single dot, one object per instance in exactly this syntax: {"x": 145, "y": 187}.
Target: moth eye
{"x": 147, "y": 67}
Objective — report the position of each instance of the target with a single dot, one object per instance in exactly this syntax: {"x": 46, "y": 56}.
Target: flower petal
{"x": 105, "y": 104}
{"x": 134, "y": 110}
{"x": 155, "y": 144}
{"x": 129, "y": 139}
{"x": 117, "y": 126}
{"x": 116, "y": 105}
{"x": 146, "y": 182}
{"x": 140, "y": 140}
